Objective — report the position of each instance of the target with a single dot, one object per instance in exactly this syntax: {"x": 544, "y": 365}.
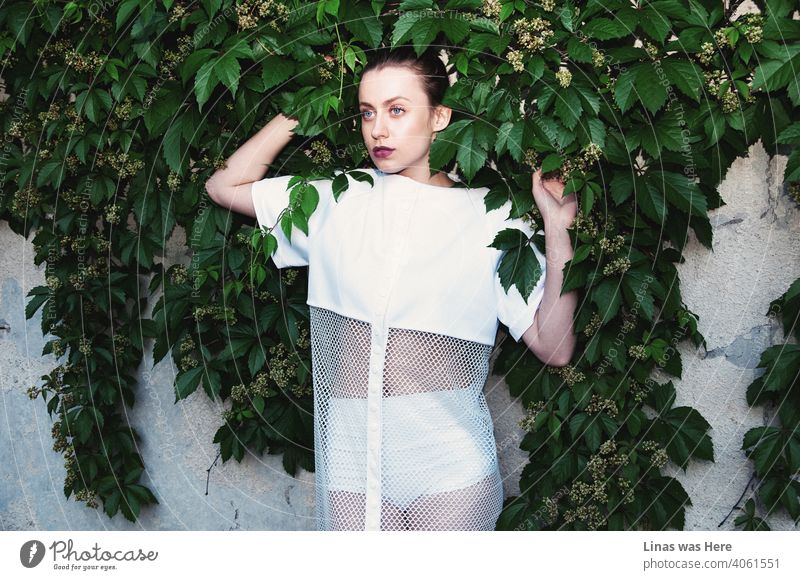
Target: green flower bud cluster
{"x": 229, "y": 415}
{"x": 651, "y": 49}
{"x": 289, "y": 276}
{"x": 533, "y": 409}
{"x": 564, "y": 77}
{"x": 187, "y": 345}
{"x": 549, "y": 5}
{"x": 326, "y": 68}
{"x": 178, "y": 11}
{"x": 53, "y": 113}
{"x": 491, "y": 8}
{"x": 625, "y": 488}
{"x": 226, "y": 314}
{"x": 72, "y": 199}
{"x": 619, "y": 265}
{"x": 83, "y": 63}
{"x": 591, "y": 153}
{"x": 58, "y": 348}
{"x": 609, "y": 246}
{"x": 531, "y": 158}
{"x": 593, "y": 326}
{"x": 188, "y": 362}
{"x": 598, "y": 404}
{"x": 608, "y": 447}
{"x": 70, "y": 464}
{"x": 568, "y": 373}
{"x": 590, "y": 514}
{"x": 533, "y": 34}
{"x": 87, "y": 495}
{"x": 579, "y": 491}
{"x": 721, "y": 38}
{"x": 120, "y": 163}
{"x": 638, "y": 352}
{"x": 319, "y": 153}
{"x": 173, "y": 181}
{"x": 178, "y": 274}
{"x": 598, "y": 59}
{"x": 124, "y": 109}
{"x": 638, "y": 391}
{"x": 85, "y": 346}
{"x": 121, "y": 344}
{"x": 239, "y": 393}
{"x": 752, "y": 26}
{"x": 586, "y": 224}
{"x": 53, "y": 283}
{"x": 659, "y": 456}
{"x": 33, "y": 392}
{"x": 24, "y": 200}
{"x": 250, "y": 12}
{"x": 283, "y": 367}
{"x": 551, "y": 505}
{"x": 113, "y": 214}
{"x": 517, "y": 60}
{"x": 59, "y": 439}
{"x": 260, "y": 386}
{"x": 707, "y": 52}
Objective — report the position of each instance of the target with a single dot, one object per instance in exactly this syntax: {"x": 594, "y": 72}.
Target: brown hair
{"x": 428, "y": 66}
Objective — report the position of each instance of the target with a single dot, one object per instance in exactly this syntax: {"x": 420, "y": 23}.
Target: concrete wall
{"x": 756, "y": 244}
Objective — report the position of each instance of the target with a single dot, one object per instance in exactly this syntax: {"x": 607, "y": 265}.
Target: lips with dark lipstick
{"x": 382, "y": 151}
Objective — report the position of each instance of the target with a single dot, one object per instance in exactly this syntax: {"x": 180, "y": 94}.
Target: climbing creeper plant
{"x": 119, "y": 112}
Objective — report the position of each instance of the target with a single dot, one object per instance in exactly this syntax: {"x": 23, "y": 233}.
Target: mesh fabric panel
{"x": 403, "y": 435}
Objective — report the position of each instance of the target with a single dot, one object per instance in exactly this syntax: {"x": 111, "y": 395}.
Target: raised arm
{"x": 230, "y": 187}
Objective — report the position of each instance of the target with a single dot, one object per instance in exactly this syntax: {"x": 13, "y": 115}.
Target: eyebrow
{"x": 386, "y": 101}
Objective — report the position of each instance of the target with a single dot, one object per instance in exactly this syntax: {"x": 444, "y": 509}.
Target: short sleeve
{"x": 270, "y": 198}
{"x": 512, "y": 309}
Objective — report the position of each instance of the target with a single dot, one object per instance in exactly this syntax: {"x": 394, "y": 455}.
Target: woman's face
{"x": 396, "y": 113}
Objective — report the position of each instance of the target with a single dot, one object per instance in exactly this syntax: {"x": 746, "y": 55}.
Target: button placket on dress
{"x": 389, "y": 272}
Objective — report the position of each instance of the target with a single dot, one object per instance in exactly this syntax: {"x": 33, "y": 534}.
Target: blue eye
{"x": 363, "y": 113}
{"x": 396, "y": 107}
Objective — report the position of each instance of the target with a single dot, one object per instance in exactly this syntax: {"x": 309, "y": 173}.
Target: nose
{"x": 378, "y": 127}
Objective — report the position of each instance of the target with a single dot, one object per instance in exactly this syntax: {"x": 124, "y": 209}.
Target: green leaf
{"x": 521, "y": 267}
{"x": 205, "y": 82}
{"x": 685, "y": 75}
{"x": 471, "y": 156}
{"x": 568, "y": 107}
{"x": 774, "y": 75}
{"x": 171, "y": 145}
{"x": 509, "y": 138}
{"x": 228, "y": 70}
{"x": 551, "y": 162}
{"x": 606, "y": 29}
{"x": 623, "y": 89}
{"x": 188, "y": 382}
{"x": 650, "y": 197}
{"x": 275, "y": 70}
{"x": 680, "y": 190}
{"x": 652, "y": 92}
{"x": 608, "y": 297}
{"x": 309, "y": 199}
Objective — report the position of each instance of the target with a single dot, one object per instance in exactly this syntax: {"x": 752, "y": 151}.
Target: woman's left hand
{"x": 548, "y": 195}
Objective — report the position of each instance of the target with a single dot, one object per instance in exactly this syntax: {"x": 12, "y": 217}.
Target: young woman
{"x": 404, "y": 301}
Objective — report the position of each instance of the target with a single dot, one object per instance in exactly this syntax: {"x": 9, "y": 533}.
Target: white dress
{"x": 404, "y": 301}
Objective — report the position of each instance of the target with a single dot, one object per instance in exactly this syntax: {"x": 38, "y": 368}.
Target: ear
{"x": 441, "y": 117}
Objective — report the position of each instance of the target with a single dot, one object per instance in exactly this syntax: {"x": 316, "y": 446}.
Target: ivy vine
{"x": 118, "y": 113}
